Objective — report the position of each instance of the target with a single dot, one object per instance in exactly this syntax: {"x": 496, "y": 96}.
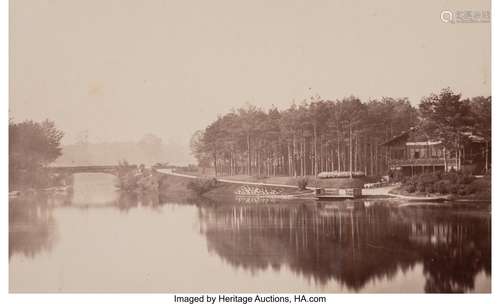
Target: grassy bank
{"x": 456, "y": 185}
{"x": 312, "y": 181}
{"x": 176, "y": 187}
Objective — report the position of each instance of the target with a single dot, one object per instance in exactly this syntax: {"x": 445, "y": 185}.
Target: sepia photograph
{"x": 283, "y": 149}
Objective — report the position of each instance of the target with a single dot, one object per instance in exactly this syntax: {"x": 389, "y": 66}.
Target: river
{"x": 96, "y": 240}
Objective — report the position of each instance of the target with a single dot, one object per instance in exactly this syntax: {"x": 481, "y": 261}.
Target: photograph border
{"x": 168, "y": 298}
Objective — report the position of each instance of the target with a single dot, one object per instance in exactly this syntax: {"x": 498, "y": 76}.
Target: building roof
{"x": 473, "y": 137}
{"x": 405, "y": 135}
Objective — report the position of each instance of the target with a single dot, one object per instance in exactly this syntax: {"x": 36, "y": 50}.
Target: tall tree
{"x": 32, "y": 146}
{"x": 447, "y": 116}
{"x": 351, "y": 113}
{"x": 481, "y": 108}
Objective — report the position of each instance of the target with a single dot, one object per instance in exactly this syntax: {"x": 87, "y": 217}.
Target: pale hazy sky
{"x": 123, "y": 68}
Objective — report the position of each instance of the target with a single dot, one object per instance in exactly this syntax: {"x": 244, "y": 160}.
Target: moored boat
{"x": 337, "y": 194}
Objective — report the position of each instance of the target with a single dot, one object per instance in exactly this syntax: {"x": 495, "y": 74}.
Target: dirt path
{"x": 170, "y": 172}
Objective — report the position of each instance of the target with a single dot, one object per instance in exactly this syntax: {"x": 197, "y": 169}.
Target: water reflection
{"x": 92, "y": 189}
{"x": 97, "y": 239}
{"x": 353, "y": 244}
{"x": 32, "y": 227}
{"x": 127, "y": 200}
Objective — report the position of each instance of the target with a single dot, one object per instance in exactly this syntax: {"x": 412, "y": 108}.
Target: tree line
{"x": 331, "y": 135}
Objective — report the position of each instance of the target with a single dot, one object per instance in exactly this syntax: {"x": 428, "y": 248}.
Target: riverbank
{"x": 399, "y": 192}
{"x": 282, "y": 185}
{"x": 288, "y": 181}
{"x": 40, "y": 181}
{"x": 178, "y": 184}
{"x": 456, "y": 186}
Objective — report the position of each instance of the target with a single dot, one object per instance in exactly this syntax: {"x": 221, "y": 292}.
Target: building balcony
{"x": 420, "y": 162}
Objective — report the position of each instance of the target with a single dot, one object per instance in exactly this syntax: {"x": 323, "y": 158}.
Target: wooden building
{"x": 413, "y": 152}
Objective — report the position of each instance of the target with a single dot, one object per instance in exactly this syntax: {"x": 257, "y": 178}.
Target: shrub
{"x": 452, "y": 176}
{"x": 302, "y": 183}
{"x": 470, "y": 189}
{"x": 461, "y": 190}
{"x": 412, "y": 181}
{"x": 461, "y": 183}
{"x": 201, "y": 186}
{"x": 405, "y": 180}
{"x": 453, "y": 188}
{"x": 430, "y": 188}
{"x": 410, "y": 188}
{"x": 465, "y": 178}
{"x": 442, "y": 187}
{"x": 482, "y": 186}
{"x": 428, "y": 178}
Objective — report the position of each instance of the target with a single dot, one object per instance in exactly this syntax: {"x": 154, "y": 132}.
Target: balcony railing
{"x": 420, "y": 162}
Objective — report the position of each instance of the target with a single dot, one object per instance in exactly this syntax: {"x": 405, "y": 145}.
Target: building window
{"x": 436, "y": 152}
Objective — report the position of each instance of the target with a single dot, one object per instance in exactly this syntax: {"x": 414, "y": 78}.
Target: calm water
{"x": 95, "y": 240}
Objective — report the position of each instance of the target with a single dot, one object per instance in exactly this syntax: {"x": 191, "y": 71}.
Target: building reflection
{"x": 352, "y": 243}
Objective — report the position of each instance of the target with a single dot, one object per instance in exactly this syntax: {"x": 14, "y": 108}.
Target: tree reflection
{"x": 31, "y": 225}
{"x": 352, "y": 244}
{"x": 129, "y": 200}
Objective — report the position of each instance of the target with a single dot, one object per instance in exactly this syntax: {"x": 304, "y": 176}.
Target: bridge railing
{"x": 87, "y": 169}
